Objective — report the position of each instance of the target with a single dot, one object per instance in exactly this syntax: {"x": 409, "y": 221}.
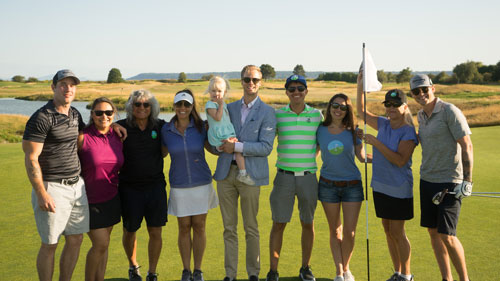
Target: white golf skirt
{"x": 191, "y": 201}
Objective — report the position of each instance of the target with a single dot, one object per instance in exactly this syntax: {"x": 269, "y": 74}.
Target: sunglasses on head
{"x": 183, "y": 103}
{"x": 299, "y": 88}
{"x": 101, "y": 112}
{"x": 388, "y": 104}
{"x": 248, "y": 79}
{"x": 335, "y": 105}
{"x": 144, "y": 104}
{"x": 416, "y": 91}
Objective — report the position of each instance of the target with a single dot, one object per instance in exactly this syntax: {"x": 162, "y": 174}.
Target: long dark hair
{"x": 349, "y": 120}
{"x": 198, "y": 122}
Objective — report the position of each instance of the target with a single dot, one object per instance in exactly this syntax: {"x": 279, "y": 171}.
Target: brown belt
{"x": 340, "y": 183}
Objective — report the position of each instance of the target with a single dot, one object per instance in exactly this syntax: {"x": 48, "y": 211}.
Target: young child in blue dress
{"x": 220, "y": 127}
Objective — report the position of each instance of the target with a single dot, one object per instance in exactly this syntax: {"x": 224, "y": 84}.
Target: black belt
{"x": 70, "y": 181}
{"x": 292, "y": 173}
{"x": 340, "y": 183}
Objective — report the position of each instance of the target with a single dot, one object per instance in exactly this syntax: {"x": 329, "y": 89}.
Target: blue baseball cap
{"x": 296, "y": 78}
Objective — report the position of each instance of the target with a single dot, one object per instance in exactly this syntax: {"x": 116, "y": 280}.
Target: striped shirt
{"x": 297, "y": 138}
{"x": 58, "y": 133}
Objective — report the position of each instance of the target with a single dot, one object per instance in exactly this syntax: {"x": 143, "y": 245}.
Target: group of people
{"x": 86, "y": 178}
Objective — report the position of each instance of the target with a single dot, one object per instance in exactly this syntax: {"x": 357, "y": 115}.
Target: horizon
{"x": 155, "y": 36}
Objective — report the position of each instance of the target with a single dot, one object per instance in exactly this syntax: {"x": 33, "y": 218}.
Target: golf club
{"x": 438, "y": 197}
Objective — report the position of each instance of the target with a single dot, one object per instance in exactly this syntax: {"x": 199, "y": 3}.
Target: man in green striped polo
{"x": 296, "y": 174}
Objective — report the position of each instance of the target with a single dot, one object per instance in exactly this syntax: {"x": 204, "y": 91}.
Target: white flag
{"x": 371, "y": 83}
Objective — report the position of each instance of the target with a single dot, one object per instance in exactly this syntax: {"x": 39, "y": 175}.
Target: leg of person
{"x": 332, "y": 213}
{"x": 391, "y": 244}
{"x": 243, "y": 176}
{"x": 457, "y": 255}
{"x": 199, "y": 239}
{"x": 184, "y": 241}
{"x": 228, "y": 201}
{"x": 78, "y": 223}
{"x": 155, "y": 213}
{"x": 154, "y": 247}
{"x": 96, "y": 254}
{"x": 129, "y": 242}
{"x": 249, "y": 210}
{"x": 429, "y": 219}
{"x": 402, "y": 244}
{"x": 275, "y": 243}
{"x": 307, "y": 195}
{"x": 45, "y": 261}
{"x": 350, "y": 211}
{"x": 69, "y": 256}
{"x": 282, "y": 199}
{"x": 441, "y": 254}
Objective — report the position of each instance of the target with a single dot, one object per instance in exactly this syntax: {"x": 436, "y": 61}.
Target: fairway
{"x": 478, "y": 230}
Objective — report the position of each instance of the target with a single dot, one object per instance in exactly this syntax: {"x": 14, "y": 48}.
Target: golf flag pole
{"x": 366, "y": 169}
{"x": 370, "y": 84}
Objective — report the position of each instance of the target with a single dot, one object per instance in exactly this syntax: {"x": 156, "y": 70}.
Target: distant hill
{"x": 236, "y": 74}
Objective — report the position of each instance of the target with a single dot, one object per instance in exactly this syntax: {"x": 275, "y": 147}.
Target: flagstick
{"x": 366, "y": 169}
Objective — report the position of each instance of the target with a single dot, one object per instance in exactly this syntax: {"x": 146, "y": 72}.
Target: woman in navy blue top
{"x": 191, "y": 190}
{"x": 392, "y": 178}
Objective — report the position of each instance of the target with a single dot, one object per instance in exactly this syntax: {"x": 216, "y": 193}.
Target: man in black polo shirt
{"x": 58, "y": 197}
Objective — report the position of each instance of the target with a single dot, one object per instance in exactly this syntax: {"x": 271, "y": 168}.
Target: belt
{"x": 297, "y": 174}
{"x": 340, "y": 183}
{"x": 70, "y": 181}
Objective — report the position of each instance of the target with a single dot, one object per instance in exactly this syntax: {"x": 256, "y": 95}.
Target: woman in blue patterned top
{"x": 392, "y": 178}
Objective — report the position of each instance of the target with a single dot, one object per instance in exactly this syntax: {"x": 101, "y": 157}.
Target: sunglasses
{"x": 248, "y": 79}
{"x": 416, "y": 91}
{"x": 335, "y": 105}
{"x": 144, "y": 104}
{"x": 183, "y": 103}
{"x": 299, "y": 88}
{"x": 388, "y": 104}
{"x": 101, "y": 112}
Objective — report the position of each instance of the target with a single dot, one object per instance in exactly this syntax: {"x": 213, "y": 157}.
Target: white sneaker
{"x": 348, "y": 276}
{"x": 246, "y": 179}
{"x": 338, "y": 278}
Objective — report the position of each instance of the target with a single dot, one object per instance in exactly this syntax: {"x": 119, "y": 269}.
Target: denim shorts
{"x": 331, "y": 193}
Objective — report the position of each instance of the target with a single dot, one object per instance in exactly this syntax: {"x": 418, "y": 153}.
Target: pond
{"x": 24, "y": 107}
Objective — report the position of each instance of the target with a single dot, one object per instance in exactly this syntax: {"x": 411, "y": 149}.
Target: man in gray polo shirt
{"x": 58, "y": 197}
{"x": 447, "y": 158}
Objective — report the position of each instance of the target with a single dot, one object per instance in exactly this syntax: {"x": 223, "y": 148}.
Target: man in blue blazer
{"x": 255, "y": 126}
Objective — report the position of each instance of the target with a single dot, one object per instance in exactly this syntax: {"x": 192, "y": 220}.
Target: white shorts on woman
{"x": 192, "y": 201}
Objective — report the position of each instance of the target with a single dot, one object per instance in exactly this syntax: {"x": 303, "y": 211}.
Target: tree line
{"x": 469, "y": 72}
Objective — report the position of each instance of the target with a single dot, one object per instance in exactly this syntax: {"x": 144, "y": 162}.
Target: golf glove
{"x": 463, "y": 189}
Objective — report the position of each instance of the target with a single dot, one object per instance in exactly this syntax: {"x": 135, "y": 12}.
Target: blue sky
{"x": 91, "y": 37}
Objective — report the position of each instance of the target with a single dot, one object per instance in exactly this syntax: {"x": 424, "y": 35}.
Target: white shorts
{"x": 192, "y": 201}
{"x": 71, "y": 215}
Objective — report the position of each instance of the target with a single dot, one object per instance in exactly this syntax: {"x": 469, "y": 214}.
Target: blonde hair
{"x": 216, "y": 79}
{"x": 408, "y": 118}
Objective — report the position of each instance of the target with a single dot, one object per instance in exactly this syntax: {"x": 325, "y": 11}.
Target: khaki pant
{"x": 228, "y": 191}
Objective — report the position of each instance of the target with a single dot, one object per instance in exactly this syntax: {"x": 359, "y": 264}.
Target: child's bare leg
{"x": 240, "y": 161}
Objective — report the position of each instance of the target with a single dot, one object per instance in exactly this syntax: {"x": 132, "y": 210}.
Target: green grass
{"x": 478, "y": 230}
{"x": 468, "y": 95}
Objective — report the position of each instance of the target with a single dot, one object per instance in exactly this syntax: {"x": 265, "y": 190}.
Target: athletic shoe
{"x": 152, "y": 277}
{"x": 339, "y": 278}
{"x": 134, "y": 274}
{"x": 348, "y": 276}
{"x": 227, "y": 278}
{"x": 394, "y": 277}
{"x": 246, "y": 179}
{"x": 272, "y": 276}
{"x": 305, "y": 274}
{"x": 253, "y": 278}
{"x": 186, "y": 275}
{"x": 198, "y": 275}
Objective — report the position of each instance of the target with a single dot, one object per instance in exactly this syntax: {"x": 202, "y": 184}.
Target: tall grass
{"x": 12, "y": 127}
